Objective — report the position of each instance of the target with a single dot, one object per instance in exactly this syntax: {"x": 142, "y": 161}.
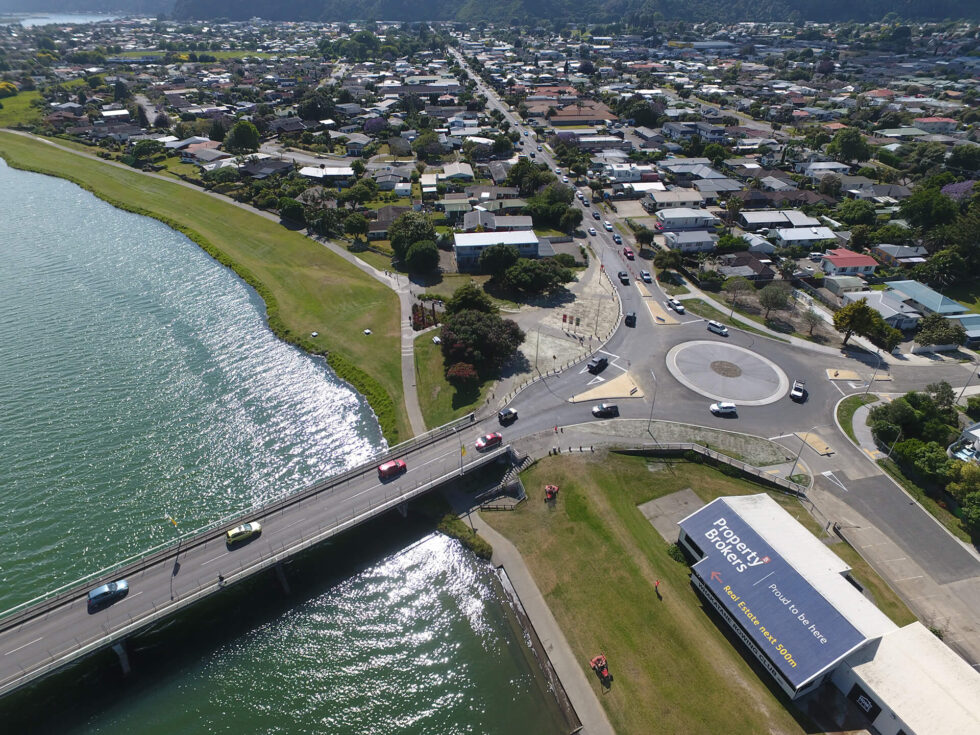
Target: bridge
{"x": 48, "y": 633}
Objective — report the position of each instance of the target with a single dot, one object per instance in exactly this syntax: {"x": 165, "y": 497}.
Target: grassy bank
{"x": 848, "y": 407}
{"x": 17, "y": 110}
{"x": 439, "y": 400}
{"x": 706, "y": 310}
{"x": 306, "y": 288}
{"x": 595, "y": 558}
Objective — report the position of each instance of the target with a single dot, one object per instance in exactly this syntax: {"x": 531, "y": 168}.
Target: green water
{"x": 138, "y": 379}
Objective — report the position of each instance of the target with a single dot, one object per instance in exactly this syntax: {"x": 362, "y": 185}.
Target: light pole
{"x": 973, "y": 370}
{"x": 874, "y": 374}
{"x": 803, "y": 444}
{"x": 889, "y": 455}
{"x": 653, "y": 403}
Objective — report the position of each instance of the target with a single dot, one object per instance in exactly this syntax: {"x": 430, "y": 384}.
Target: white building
{"x": 468, "y": 245}
{"x": 685, "y": 218}
{"x": 691, "y": 241}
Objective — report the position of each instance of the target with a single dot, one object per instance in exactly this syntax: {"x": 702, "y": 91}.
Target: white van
{"x": 718, "y": 328}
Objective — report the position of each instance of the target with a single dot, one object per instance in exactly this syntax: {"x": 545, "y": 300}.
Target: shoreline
{"x": 393, "y": 423}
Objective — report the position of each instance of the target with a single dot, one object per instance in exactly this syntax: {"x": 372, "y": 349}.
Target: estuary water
{"x": 138, "y": 380}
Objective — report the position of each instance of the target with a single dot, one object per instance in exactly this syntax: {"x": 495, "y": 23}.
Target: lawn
{"x": 847, "y": 408}
{"x": 967, "y": 294}
{"x": 595, "y": 558}
{"x": 17, "y": 110}
{"x": 305, "y": 286}
{"x": 441, "y": 402}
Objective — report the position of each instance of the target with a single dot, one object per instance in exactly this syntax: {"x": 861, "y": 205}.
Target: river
{"x": 138, "y": 380}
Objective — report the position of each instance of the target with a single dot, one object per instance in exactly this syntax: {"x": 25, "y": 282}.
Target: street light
{"x": 973, "y": 370}
{"x": 803, "y": 444}
{"x": 874, "y": 374}
{"x": 653, "y": 402}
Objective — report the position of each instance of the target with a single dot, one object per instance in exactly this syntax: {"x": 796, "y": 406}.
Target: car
{"x": 392, "y": 468}
{"x": 592, "y": 231}
{"x": 646, "y": 277}
{"x": 624, "y": 278}
{"x": 815, "y": 257}
{"x": 558, "y": 171}
{"x": 597, "y": 364}
{"x": 539, "y": 148}
{"x": 107, "y": 594}
{"x": 579, "y": 195}
{"x": 525, "y": 132}
{"x": 608, "y": 225}
{"x": 243, "y": 532}
{"x": 532, "y": 154}
{"x": 798, "y": 391}
{"x": 676, "y": 305}
{"x": 718, "y": 328}
{"x": 619, "y": 241}
{"x": 507, "y": 416}
{"x": 723, "y": 408}
{"x": 564, "y": 179}
{"x": 602, "y": 410}
{"x": 630, "y": 319}
{"x": 628, "y": 253}
{"x": 488, "y": 441}
{"x": 596, "y": 215}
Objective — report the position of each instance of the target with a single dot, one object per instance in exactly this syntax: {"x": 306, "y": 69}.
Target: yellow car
{"x": 243, "y": 532}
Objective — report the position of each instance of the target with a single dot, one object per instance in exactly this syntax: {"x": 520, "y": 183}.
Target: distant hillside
{"x": 123, "y": 7}
{"x": 599, "y": 11}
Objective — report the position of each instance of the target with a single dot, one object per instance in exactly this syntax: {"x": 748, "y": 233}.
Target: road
{"x": 202, "y": 565}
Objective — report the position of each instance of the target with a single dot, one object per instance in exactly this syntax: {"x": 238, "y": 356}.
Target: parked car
{"x": 107, "y": 594}
{"x": 798, "y": 391}
{"x": 558, "y": 171}
{"x": 608, "y": 225}
{"x": 595, "y": 214}
{"x": 624, "y": 278}
{"x": 630, "y": 319}
{"x": 597, "y": 364}
{"x": 391, "y": 469}
{"x": 603, "y": 410}
{"x": 532, "y": 154}
{"x": 243, "y": 532}
{"x": 592, "y": 231}
{"x": 723, "y": 408}
{"x": 507, "y": 416}
{"x": 718, "y": 328}
{"x": 676, "y": 305}
{"x": 488, "y": 441}
{"x": 539, "y": 148}
{"x": 646, "y": 277}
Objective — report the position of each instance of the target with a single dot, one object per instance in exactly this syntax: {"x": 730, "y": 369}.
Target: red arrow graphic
{"x": 716, "y": 576}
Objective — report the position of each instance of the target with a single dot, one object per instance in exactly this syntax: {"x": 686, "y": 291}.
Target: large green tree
{"x": 849, "y": 145}
{"x": 422, "y": 257}
{"x": 935, "y": 329}
{"x": 496, "y": 259}
{"x": 470, "y": 297}
{"x": 928, "y": 207}
{"x": 409, "y": 228}
{"x": 855, "y": 318}
{"x": 480, "y": 339}
{"x": 242, "y": 138}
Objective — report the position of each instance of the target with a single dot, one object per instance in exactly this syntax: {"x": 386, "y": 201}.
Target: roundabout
{"x": 727, "y": 372}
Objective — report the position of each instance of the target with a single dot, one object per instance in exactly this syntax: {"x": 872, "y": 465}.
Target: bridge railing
{"x": 65, "y": 592}
{"x": 209, "y": 584}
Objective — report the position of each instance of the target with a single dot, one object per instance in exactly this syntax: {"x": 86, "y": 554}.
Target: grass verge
{"x": 848, "y": 407}
{"x": 703, "y": 308}
{"x": 595, "y": 558}
{"x": 305, "y": 286}
{"x": 439, "y": 400}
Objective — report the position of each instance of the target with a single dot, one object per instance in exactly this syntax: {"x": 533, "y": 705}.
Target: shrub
{"x": 676, "y": 553}
{"x": 973, "y": 407}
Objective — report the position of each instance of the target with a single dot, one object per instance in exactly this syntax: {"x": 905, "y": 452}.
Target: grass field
{"x": 847, "y": 408}
{"x": 702, "y": 308}
{"x": 441, "y": 402}
{"x": 595, "y": 558}
{"x": 967, "y": 294}
{"x": 17, "y": 110}
{"x": 306, "y": 287}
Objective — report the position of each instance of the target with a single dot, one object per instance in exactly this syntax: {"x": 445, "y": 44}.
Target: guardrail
{"x": 57, "y": 596}
{"x": 209, "y": 585}
{"x": 672, "y": 450}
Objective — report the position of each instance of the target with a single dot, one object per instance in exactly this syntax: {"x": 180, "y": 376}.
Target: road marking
{"x": 838, "y": 388}
{"x": 833, "y": 478}
{"x": 24, "y": 646}
{"x": 596, "y": 380}
{"x": 889, "y": 561}
{"x": 908, "y": 579}
{"x": 781, "y": 436}
{"x": 205, "y": 563}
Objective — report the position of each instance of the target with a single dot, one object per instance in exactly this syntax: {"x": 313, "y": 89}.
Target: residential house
{"x": 457, "y": 172}
{"x": 936, "y": 125}
{"x": 356, "y": 143}
{"x": 685, "y": 218}
{"x": 840, "y": 285}
{"x": 695, "y": 241}
{"x": 467, "y": 246}
{"x": 657, "y": 200}
{"x": 378, "y": 228}
{"x": 775, "y": 219}
{"x": 925, "y": 299}
{"x": 841, "y": 261}
{"x": 900, "y": 255}
{"x": 889, "y": 305}
{"x": 748, "y": 265}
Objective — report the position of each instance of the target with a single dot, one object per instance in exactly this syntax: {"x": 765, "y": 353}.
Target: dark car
{"x": 624, "y": 278}
{"x": 630, "y": 319}
{"x": 507, "y": 416}
{"x": 596, "y": 215}
{"x": 597, "y": 364}
{"x": 603, "y": 410}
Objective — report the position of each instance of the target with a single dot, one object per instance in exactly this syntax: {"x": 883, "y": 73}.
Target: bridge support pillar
{"x": 403, "y": 509}
{"x": 281, "y": 578}
{"x": 123, "y": 655}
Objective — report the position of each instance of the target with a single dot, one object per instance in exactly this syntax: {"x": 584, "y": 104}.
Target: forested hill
{"x": 633, "y": 12}
{"x": 122, "y": 7}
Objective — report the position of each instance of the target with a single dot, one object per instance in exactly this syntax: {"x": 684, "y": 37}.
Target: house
{"x": 900, "y": 255}
{"x": 684, "y": 198}
{"x": 841, "y": 261}
{"x": 338, "y": 174}
{"x": 487, "y": 221}
{"x": 457, "y": 172}
{"x": 936, "y": 125}
{"x": 696, "y": 241}
{"x": 356, "y": 143}
{"x": 582, "y": 112}
{"x": 685, "y": 218}
{"x": 378, "y": 228}
{"x": 467, "y": 246}
{"x": 454, "y": 205}
{"x": 775, "y": 219}
{"x": 840, "y": 285}
{"x": 748, "y": 265}
{"x": 889, "y": 305}
{"x": 925, "y": 299}
{"x": 679, "y": 130}
{"x": 816, "y": 170}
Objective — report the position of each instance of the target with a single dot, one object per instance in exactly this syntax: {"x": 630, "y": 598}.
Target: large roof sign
{"x": 791, "y": 623}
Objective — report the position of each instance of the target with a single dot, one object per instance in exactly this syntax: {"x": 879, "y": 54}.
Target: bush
{"x": 973, "y": 407}
{"x": 730, "y": 471}
{"x": 676, "y": 553}
{"x": 457, "y": 529}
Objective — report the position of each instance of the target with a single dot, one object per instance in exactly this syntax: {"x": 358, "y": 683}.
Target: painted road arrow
{"x": 716, "y": 576}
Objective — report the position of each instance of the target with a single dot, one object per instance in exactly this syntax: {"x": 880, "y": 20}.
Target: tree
{"x": 291, "y": 210}
{"x": 644, "y": 237}
{"x": 162, "y": 120}
{"x": 141, "y": 119}
{"x": 480, "y": 339}
{"x": 855, "y": 318}
{"x": 427, "y": 146}
{"x": 849, "y": 145}
{"x": 358, "y": 167}
{"x": 242, "y": 138}
{"x": 667, "y": 260}
{"x": 965, "y": 479}
{"x": 830, "y": 185}
{"x": 927, "y": 208}
{"x": 422, "y": 257}
{"x": 774, "y": 296}
{"x": 571, "y": 218}
{"x": 496, "y": 259}
{"x": 811, "y": 318}
{"x": 120, "y": 92}
{"x": 470, "y": 297}
{"x": 407, "y": 229}
{"x": 856, "y": 212}
{"x": 935, "y": 329}
{"x": 731, "y": 244}
{"x": 737, "y": 286}
{"x": 965, "y": 158}
{"x": 715, "y": 152}
{"x": 356, "y": 224}
{"x": 217, "y": 130}
{"x": 534, "y": 277}
{"x": 146, "y": 149}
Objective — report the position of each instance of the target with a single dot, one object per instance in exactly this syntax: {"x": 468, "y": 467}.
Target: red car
{"x": 391, "y": 469}
{"x": 488, "y": 440}
{"x": 628, "y": 253}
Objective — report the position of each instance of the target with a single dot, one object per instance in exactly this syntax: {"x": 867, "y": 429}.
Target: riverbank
{"x": 306, "y": 287}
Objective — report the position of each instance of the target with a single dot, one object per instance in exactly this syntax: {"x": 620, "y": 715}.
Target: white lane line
{"x": 781, "y": 436}
{"x": 889, "y": 561}
{"x": 908, "y": 579}
{"x": 834, "y": 383}
{"x": 24, "y": 646}
{"x": 833, "y": 478}
{"x": 205, "y": 563}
